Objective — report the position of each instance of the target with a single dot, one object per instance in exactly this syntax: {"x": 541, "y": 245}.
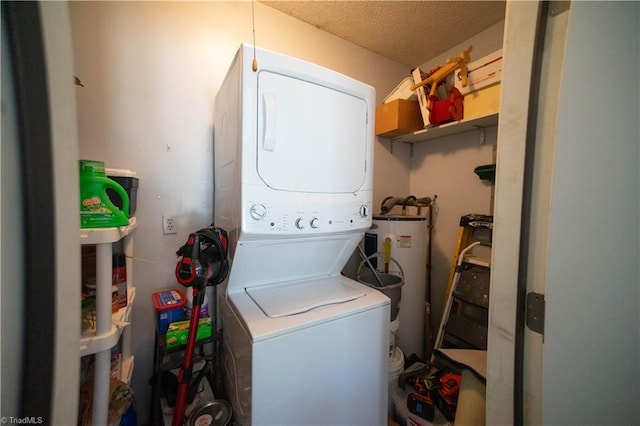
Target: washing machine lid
{"x": 281, "y": 300}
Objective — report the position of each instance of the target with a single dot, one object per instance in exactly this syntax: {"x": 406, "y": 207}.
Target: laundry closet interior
{"x": 149, "y": 76}
{"x": 150, "y": 73}
{"x": 364, "y": 241}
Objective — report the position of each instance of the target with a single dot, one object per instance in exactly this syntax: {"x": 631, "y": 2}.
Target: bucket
{"x": 394, "y": 326}
{"x": 396, "y": 367}
{"x": 389, "y": 283}
{"x": 97, "y": 210}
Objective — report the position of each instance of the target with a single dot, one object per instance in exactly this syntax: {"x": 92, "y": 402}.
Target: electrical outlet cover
{"x": 169, "y": 224}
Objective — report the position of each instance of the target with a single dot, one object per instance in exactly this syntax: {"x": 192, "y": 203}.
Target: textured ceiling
{"x": 408, "y": 32}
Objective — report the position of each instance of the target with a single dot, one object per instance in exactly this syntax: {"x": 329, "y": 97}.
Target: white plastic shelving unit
{"x": 109, "y": 327}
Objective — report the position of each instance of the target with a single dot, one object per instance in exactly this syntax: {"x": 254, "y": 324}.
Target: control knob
{"x": 364, "y": 212}
{"x": 258, "y": 211}
{"x": 314, "y": 223}
{"x": 299, "y": 223}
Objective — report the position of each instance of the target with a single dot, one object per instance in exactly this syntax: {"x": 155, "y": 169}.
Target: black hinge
{"x": 535, "y": 312}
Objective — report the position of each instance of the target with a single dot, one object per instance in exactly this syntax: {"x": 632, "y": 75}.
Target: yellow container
{"x": 482, "y": 102}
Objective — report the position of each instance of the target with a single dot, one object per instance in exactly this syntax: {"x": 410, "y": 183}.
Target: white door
{"x": 40, "y": 221}
{"x": 311, "y": 138}
{"x": 583, "y": 228}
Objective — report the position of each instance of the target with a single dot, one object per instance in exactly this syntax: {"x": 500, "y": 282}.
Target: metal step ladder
{"x": 465, "y": 315}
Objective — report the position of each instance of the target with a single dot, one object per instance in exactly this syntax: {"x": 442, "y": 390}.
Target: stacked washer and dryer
{"x": 303, "y": 344}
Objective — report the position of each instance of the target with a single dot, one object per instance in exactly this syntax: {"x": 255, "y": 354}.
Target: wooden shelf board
{"x": 455, "y": 127}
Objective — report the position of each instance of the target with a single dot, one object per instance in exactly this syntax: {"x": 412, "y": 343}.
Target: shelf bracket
{"x": 410, "y": 150}
{"x": 482, "y": 135}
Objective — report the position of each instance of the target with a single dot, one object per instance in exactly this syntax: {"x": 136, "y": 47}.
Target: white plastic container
{"x": 402, "y": 91}
{"x": 394, "y": 326}
{"x": 396, "y": 366}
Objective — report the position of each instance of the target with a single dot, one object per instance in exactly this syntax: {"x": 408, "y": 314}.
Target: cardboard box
{"x": 482, "y": 102}
{"x": 397, "y": 118}
{"x": 178, "y": 332}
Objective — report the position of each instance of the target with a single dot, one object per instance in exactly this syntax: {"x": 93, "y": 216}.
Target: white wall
{"x": 151, "y": 71}
{"x": 445, "y": 167}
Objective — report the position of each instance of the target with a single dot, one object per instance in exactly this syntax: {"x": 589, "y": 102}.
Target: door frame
{"x": 514, "y": 127}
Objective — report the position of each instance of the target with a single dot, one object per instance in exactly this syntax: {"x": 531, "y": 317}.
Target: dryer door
{"x": 310, "y": 138}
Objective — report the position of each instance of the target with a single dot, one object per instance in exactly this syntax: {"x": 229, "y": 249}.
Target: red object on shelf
{"x": 450, "y": 384}
{"x": 445, "y": 110}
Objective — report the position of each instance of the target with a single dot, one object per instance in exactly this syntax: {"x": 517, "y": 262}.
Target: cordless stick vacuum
{"x": 203, "y": 263}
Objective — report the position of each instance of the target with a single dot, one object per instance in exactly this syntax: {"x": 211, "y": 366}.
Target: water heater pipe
{"x": 390, "y": 202}
{"x": 429, "y": 233}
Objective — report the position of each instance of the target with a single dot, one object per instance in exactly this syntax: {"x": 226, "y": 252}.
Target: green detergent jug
{"x": 96, "y": 209}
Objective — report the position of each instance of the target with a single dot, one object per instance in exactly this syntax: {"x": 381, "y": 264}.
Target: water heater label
{"x": 404, "y": 241}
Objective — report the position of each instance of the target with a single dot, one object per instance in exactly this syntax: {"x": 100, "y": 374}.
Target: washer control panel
{"x": 283, "y": 218}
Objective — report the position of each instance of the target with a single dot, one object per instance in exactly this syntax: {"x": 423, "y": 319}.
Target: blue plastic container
{"x": 169, "y": 308}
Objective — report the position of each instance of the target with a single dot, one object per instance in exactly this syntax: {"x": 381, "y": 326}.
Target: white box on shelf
{"x": 482, "y": 73}
{"x": 422, "y": 96}
{"x": 402, "y": 91}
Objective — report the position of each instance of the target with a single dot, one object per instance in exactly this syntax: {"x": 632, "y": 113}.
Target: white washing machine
{"x": 293, "y": 188}
{"x": 307, "y": 351}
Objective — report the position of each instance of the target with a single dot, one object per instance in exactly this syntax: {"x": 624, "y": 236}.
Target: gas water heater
{"x": 402, "y": 230}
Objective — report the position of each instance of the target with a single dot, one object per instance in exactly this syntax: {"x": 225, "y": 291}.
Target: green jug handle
{"x": 121, "y": 192}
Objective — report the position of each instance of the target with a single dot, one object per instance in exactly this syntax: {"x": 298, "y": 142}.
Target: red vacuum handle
{"x": 187, "y": 267}
{"x": 184, "y": 376}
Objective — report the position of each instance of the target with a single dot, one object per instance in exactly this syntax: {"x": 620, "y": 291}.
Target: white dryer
{"x": 293, "y": 188}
